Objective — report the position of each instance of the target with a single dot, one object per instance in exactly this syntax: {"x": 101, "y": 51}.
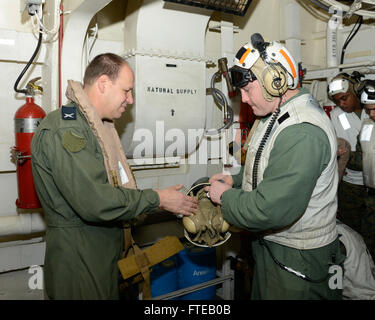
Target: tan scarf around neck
{"x": 118, "y": 171}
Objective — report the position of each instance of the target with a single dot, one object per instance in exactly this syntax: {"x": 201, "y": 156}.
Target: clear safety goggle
{"x": 338, "y": 86}
{"x": 240, "y": 77}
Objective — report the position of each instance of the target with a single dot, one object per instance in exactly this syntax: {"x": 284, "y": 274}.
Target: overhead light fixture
{"x": 237, "y": 7}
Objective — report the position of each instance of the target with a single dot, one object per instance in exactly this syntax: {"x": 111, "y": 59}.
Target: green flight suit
{"x": 83, "y": 211}
{"x": 300, "y": 153}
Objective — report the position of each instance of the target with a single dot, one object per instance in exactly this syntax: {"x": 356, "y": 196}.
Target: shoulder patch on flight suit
{"x": 283, "y": 118}
{"x": 73, "y": 142}
{"x": 69, "y": 113}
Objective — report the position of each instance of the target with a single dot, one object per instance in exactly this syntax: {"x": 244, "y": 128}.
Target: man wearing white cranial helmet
{"x": 286, "y": 191}
{"x": 363, "y": 159}
{"x": 346, "y": 119}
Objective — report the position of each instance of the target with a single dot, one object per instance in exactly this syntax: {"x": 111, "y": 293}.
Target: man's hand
{"x": 13, "y": 155}
{"x": 174, "y": 201}
{"x": 340, "y": 151}
{"x": 216, "y": 190}
{"x": 343, "y": 153}
{"x": 226, "y": 177}
{"x": 343, "y": 147}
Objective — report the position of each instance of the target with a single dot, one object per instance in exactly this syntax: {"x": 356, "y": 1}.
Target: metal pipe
{"x": 74, "y": 37}
{"x": 332, "y": 71}
{"x": 331, "y": 43}
{"x": 193, "y": 288}
{"x": 21, "y": 224}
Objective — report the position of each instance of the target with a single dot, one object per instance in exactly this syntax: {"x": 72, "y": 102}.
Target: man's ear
{"x": 102, "y": 83}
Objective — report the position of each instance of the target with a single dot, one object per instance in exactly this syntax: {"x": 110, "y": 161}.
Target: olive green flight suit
{"x": 83, "y": 211}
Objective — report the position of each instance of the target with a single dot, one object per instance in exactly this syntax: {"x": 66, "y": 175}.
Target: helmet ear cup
{"x": 275, "y": 79}
{"x": 359, "y": 87}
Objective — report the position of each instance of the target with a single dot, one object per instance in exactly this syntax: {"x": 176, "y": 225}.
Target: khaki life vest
{"x": 118, "y": 170}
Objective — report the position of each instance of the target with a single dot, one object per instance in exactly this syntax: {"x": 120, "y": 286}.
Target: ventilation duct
{"x": 164, "y": 45}
{"x": 237, "y": 7}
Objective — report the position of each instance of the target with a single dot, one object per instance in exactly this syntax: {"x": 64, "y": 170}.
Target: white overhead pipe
{"x": 331, "y": 43}
{"x": 292, "y": 23}
{"x": 74, "y": 37}
{"x": 313, "y": 74}
{"x": 22, "y": 224}
{"x": 353, "y": 8}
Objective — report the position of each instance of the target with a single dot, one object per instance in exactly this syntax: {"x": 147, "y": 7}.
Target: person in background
{"x": 359, "y": 277}
{"x": 86, "y": 186}
{"x": 363, "y": 159}
{"x": 347, "y": 119}
{"x": 285, "y": 194}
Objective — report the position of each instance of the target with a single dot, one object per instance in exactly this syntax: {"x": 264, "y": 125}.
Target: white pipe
{"x": 292, "y": 25}
{"x": 74, "y": 37}
{"x": 366, "y": 71}
{"x": 332, "y": 71}
{"x": 25, "y": 223}
{"x": 331, "y": 43}
{"x": 343, "y": 7}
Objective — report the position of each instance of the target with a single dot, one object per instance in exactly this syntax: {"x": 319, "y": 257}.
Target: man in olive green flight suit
{"x": 286, "y": 192}
{"x": 85, "y": 202}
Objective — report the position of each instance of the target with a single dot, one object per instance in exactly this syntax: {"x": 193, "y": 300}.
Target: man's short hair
{"x": 106, "y": 63}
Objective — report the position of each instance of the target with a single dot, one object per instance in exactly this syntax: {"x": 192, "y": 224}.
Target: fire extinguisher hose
{"x": 28, "y": 65}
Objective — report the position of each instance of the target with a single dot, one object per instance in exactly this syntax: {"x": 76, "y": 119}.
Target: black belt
{"x": 371, "y": 191}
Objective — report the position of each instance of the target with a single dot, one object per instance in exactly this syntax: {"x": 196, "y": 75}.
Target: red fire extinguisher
{"x": 26, "y": 121}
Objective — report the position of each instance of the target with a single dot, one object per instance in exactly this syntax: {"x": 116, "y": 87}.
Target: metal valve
{"x": 31, "y": 87}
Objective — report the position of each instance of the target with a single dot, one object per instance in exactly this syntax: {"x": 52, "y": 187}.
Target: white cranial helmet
{"x": 269, "y": 62}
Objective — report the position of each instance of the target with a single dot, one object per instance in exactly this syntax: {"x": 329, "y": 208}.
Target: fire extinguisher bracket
{"x": 21, "y": 157}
